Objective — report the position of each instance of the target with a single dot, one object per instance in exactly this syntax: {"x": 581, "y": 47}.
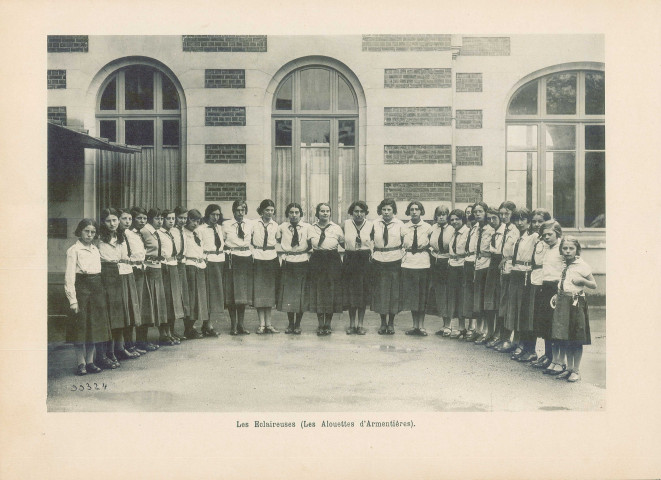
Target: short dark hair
{"x": 167, "y": 212}
{"x": 459, "y": 213}
{"x": 542, "y": 212}
{"x": 551, "y": 225}
{"x": 511, "y": 206}
{"x": 178, "y": 210}
{"x": 319, "y": 205}
{"x": 358, "y": 203}
{"x": 238, "y": 203}
{"x": 83, "y": 224}
{"x": 266, "y": 203}
{"x": 154, "y": 212}
{"x": 415, "y": 202}
{"x": 387, "y": 201}
{"x": 521, "y": 213}
{"x": 212, "y": 207}
{"x": 293, "y": 205}
{"x": 104, "y": 232}
{"x": 194, "y": 214}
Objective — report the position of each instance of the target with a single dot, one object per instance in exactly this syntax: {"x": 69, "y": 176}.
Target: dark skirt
{"x": 518, "y": 302}
{"x": 131, "y": 301}
{"x": 479, "y": 289}
{"x": 571, "y": 322}
{"x": 140, "y": 284}
{"x": 541, "y": 310}
{"x": 237, "y": 280}
{"x": 90, "y": 324}
{"x": 173, "y": 294}
{"x": 325, "y": 282}
{"x": 154, "y": 307}
{"x": 266, "y": 276}
{"x": 198, "y": 299}
{"x": 215, "y": 290}
{"x": 414, "y": 285}
{"x": 385, "y": 292}
{"x": 183, "y": 281}
{"x": 469, "y": 274}
{"x": 356, "y": 279}
{"x": 456, "y": 292}
{"x": 116, "y": 297}
{"x": 292, "y": 294}
{"x": 437, "y": 298}
{"x": 492, "y": 284}
{"x": 504, "y": 294}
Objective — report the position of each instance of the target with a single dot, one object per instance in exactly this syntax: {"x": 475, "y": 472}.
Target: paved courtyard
{"x": 336, "y": 373}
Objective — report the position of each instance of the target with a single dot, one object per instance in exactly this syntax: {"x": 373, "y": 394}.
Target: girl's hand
{"x": 578, "y": 282}
{"x": 74, "y": 308}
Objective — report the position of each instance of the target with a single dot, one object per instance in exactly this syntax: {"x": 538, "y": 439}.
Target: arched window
{"x": 556, "y": 147}
{"x": 139, "y": 105}
{"x": 315, "y": 125}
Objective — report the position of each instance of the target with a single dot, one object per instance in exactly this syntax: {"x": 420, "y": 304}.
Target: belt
{"x": 457, "y": 257}
{"x": 537, "y": 267}
{"x": 134, "y": 262}
{"x": 88, "y": 275}
{"x": 525, "y": 264}
{"x": 485, "y": 254}
{"x": 264, "y": 248}
{"x": 238, "y": 249}
{"x": 419, "y": 250}
{"x": 295, "y": 253}
{"x": 110, "y": 262}
{"x": 213, "y": 252}
{"x": 387, "y": 249}
{"x": 195, "y": 259}
{"x": 153, "y": 258}
{"x": 169, "y": 259}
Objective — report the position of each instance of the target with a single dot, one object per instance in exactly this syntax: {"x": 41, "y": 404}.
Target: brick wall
{"x": 469, "y": 119}
{"x": 417, "y": 116}
{"x": 57, "y": 79}
{"x": 67, "y": 43}
{"x": 224, "y": 191}
{"x": 432, "y": 191}
{"x": 225, "y": 116}
{"x": 223, "y": 78}
{"x": 469, "y": 82}
{"x": 406, "y": 154}
{"x": 58, "y": 115}
{"x": 417, "y": 78}
{"x": 467, "y": 156}
{"x": 486, "y": 46}
{"x": 405, "y": 43}
{"x": 225, "y": 153}
{"x": 224, "y": 43}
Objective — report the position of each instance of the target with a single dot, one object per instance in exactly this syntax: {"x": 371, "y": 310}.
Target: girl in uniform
{"x": 469, "y": 274}
{"x": 439, "y": 242}
{"x": 386, "y": 264}
{"x": 325, "y": 274}
{"x": 180, "y": 244}
{"x": 196, "y": 276}
{"x": 88, "y": 324}
{"x": 492, "y": 281}
{"x": 457, "y": 254}
{"x": 355, "y": 270}
{"x": 482, "y": 261}
{"x": 292, "y": 293}
{"x": 552, "y": 265}
{"x": 470, "y": 219}
{"x": 171, "y": 284}
{"x": 137, "y": 260}
{"x": 571, "y": 323}
{"x": 511, "y": 235}
{"x": 266, "y": 267}
{"x": 155, "y": 304}
{"x": 415, "y": 267}
{"x": 210, "y": 235}
{"x": 238, "y": 279}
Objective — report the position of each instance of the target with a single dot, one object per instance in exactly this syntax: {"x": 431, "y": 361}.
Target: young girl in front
{"x": 210, "y": 234}
{"x": 482, "y": 251}
{"x": 457, "y": 253}
{"x": 266, "y": 267}
{"x": 492, "y": 281}
{"x": 511, "y": 235}
{"x": 171, "y": 283}
{"x": 571, "y": 323}
{"x": 439, "y": 242}
{"x": 88, "y": 324}
{"x": 196, "y": 277}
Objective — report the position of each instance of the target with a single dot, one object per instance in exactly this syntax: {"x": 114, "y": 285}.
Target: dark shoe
{"x": 321, "y": 332}
{"x": 422, "y": 332}
{"x": 271, "y": 329}
{"x": 328, "y": 330}
{"x": 563, "y": 375}
{"x": 165, "y": 341}
{"x": 360, "y": 331}
{"x": 193, "y": 334}
{"x": 297, "y": 331}
{"x": 383, "y": 330}
{"x": 234, "y": 332}
{"x": 126, "y": 355}
{"x": 81, "y": 370}
{"x": 518, "y": 352}
{"x": 440, "y": 332}
{"x": 139, "y": 350}
{"x": 289, "y": 329}
{"x": 351, "y": 331}
{"x": 210, "y": 332}
{"x": 390, "y": 330}
{"x": 240, "y": 330}
{"x": 481, "y": 340}
{"x": 260, "y": 330}
{"x": 179, "y": 336}
{"x": 462, "y": 334}
{"x": 555, "y": 369}
{"x": 527, "y": 357}
{"x": 574, "y": 377}
{"x": 413, "y": 331}
{"x": 92, "y": 368}
{"x": 539, "y": 361}
{"x": 174, "y": 340}
{"x": 471, "y": 335}
{"x": 152, "y": 347}
{"x": 506, "y": 347}
{"x": 105, "y": 363}
{"x": 113, "y": 359}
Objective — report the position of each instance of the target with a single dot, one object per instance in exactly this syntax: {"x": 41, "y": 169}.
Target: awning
{"x": 69, "y": 136}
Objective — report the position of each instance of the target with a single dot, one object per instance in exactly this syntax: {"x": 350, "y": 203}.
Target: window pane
{"x": 595, "y": 137}
{"x": 595, "y": 97}
{"x": 521, "y": 137}
{"x": 345, "y": 98}
{"x": 347, "y": 175}
{"x": 522, "y": 178}
{"x": 561, "y": 94}
{"x": 347, "y": 133}
{"x": 283, "y": 133}
{"x": 109, "y": 97}
{"x": 139, "y": 89}
{"x": 139, "y": 132}
{"x": 283, "y": 100}
{"x": 560, "y": 137}
{"x": 170, "y": 96}
{"x": 561, "y": 187}
{"x": 170, "y": 132}
{"x": 108, "y": 130}
{"x": 315, "y": 133}
{"x": 315, "y": 89}
{"x": 595, "y": 190}
{"x": 524, "y": 101}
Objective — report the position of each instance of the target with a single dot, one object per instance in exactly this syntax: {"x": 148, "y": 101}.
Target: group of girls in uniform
{"x": 507, "y": 277}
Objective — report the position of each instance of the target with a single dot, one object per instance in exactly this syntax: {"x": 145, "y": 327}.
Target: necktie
{"x": 414, "y": 247}
{"x": 534, "y": 263}
{"x": 158, "y": 239}
{"x": 502, "y": 245}
{"x": 468, "y": 241}
{"x": 479, "y": 239}
{"x": 181, "y": 235}
{"x": 516, "y": 249}
{"x": 174, "y": 247}
{"x": 440, "y": 239}
{"x": 294, "y": 237}
{"x": 128, "y": 245}
{"x": 385, "y": 234}
{"x": 454, "y": 242}
{"x": 216, "y": 238}
{"x": 359, "y": 242}
{"x": 493, "y": 240}
{"x": 142, "y": 237}
{"x": 322, "y": 237}
{"x": 240, "y": 233}
{"x": 266, "y": 237}
{"x": 197, "y": 239}
{"x": 562, "y": 277}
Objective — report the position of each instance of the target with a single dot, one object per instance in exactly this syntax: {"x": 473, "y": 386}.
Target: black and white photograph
{"x": 317, "y": 241}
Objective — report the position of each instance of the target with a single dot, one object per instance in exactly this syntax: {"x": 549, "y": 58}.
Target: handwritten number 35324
{"x": 87, "y": 386}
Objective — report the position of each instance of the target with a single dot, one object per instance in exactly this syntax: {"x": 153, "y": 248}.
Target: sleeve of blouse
{"x": 340, "y": 235}
{"x": 278, "y": 234}
{"x": 70, "y": 277}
